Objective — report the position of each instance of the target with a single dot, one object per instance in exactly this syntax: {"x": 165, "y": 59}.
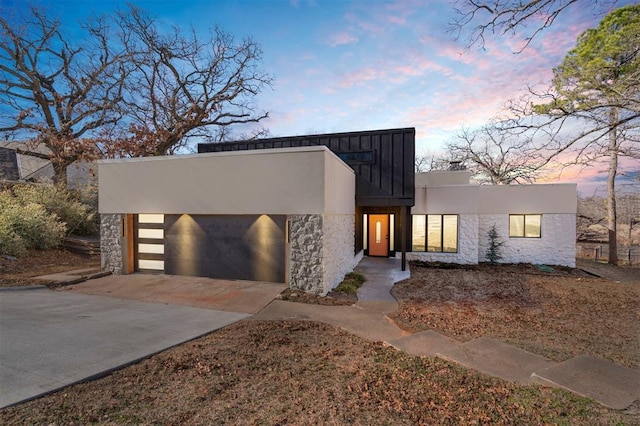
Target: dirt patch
{"x": 559, "y": 315}
{"x": 21, "y": 271}
{"x": 333, "y": 298}
{"x": 301, "y": 373}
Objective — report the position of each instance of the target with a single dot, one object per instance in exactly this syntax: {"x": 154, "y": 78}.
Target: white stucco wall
{"x": 443, "y": 177}
{"x": 555, "y": 247}
{"x": 306, "y": 180}
{"x": 467, "y": 244}
{"x": 496, "y": 199}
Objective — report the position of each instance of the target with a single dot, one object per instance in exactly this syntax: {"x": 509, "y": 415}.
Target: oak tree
{"x": 185, "y": 85}
{"x": 55, "y": 89}
{"x": 497, "y": 156}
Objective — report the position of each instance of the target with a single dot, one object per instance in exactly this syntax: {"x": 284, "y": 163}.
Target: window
{"x": 525, "y": 225}
{"x": 357, "y": 157}
{"x": 435, "y": 233}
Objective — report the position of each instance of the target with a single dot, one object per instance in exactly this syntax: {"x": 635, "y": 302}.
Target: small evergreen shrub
{"x": 494, "y": 251}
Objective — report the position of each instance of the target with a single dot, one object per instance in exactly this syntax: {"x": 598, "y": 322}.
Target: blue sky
{"x": 358, "y": 65}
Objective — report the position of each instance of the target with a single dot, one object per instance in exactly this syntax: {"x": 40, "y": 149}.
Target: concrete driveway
{"x": 51, "y": 339}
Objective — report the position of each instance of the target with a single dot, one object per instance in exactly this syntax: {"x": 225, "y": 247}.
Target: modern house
{"x": 304, "y": 210}
{"x": 19, "y": 164}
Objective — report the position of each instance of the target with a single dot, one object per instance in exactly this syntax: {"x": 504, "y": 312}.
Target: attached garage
{"x": 280, "y": 215}
{"x": 241, "y": 247}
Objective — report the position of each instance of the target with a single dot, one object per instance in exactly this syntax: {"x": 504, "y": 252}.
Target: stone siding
{"x": 111, "y": 243}
{"x": 305, "y": 253}
{"x": 467, "y": 244}
{"x": 320, "y": 251}
{"x": 339, "y": 236}
{"x": 557, "y": 245}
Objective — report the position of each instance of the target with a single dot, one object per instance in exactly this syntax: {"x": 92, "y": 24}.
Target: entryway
{"x": 378, "y": 235}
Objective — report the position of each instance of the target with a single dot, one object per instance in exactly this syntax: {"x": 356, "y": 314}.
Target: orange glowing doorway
{"x": 379, "y": 235}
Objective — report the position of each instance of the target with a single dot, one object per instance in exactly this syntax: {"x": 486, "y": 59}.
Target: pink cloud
{"x": 359, "y": 76}
{"x": 417, "y": 68}
{"x": 343, "y": 38}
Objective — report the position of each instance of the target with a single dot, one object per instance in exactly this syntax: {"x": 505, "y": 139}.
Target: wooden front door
{"x": 378, "y": 235}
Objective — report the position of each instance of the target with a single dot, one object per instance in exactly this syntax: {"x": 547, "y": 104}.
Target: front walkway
{"x": 612, "y": 385}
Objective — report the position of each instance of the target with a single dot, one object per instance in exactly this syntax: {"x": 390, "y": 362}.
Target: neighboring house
{"x": 304, "y": 210}
{"x": 18, "y": 165}
{"x": 26, "y": 164}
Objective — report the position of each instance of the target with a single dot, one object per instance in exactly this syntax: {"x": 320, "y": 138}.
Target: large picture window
{"x": 525, "y": 225}
{"x": 435, "y": 233}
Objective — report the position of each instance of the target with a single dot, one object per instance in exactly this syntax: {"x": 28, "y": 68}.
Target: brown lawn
{"x": 299, "y": 373}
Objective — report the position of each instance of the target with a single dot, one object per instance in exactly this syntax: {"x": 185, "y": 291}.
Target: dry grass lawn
{"x": 305, "y": 373}
{"x": 558, "y": 315}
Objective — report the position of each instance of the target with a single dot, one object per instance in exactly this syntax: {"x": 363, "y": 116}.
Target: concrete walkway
{"x": 611, "y": 385}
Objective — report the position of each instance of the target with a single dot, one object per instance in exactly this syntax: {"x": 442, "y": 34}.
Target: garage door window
{"x": 150, "y": 242}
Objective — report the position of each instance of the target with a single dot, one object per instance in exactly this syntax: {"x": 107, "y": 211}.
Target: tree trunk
{"x": 60, "y": 172}
{"x": 611, "y": 189}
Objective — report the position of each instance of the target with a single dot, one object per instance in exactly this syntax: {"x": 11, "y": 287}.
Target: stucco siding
{"x": 279, "y": 181}
{"x": 555, "y": 247}
{"x": 467, "y": 244}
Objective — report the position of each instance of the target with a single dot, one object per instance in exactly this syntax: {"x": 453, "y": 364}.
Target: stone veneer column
{"x": 320, "y": 251}
{"x": 305, "y": 253}
{"x": 111, "y": 242}
{"x": 339, "y": 237}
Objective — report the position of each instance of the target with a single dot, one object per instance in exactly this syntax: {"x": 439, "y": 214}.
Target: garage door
{"x": 242, "y": 247}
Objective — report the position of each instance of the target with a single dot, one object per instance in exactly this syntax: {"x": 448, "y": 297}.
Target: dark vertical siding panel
{"x": 386, "y": 165}
{"x": 398, "y": 163}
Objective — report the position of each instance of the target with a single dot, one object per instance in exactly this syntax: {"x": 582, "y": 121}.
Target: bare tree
{"x": 55, "y": 89}
{"x": 498, "y": 156}
{"x": 185, "y": 86}
{"x": 591, "y": 218}
{"x": 430, "y": 161}
{"x": 480, "y": 19}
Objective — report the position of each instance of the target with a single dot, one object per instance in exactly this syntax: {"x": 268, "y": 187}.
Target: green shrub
{"x": 10, "y": 242}
{"x": 38, "y": 228}
{"x": 351, "y": 283}
{"x": 74, "y": 207}
{"x": 494, "y": 250}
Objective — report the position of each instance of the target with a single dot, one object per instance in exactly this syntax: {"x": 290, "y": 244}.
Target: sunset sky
{"x": 359, "y": 65}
